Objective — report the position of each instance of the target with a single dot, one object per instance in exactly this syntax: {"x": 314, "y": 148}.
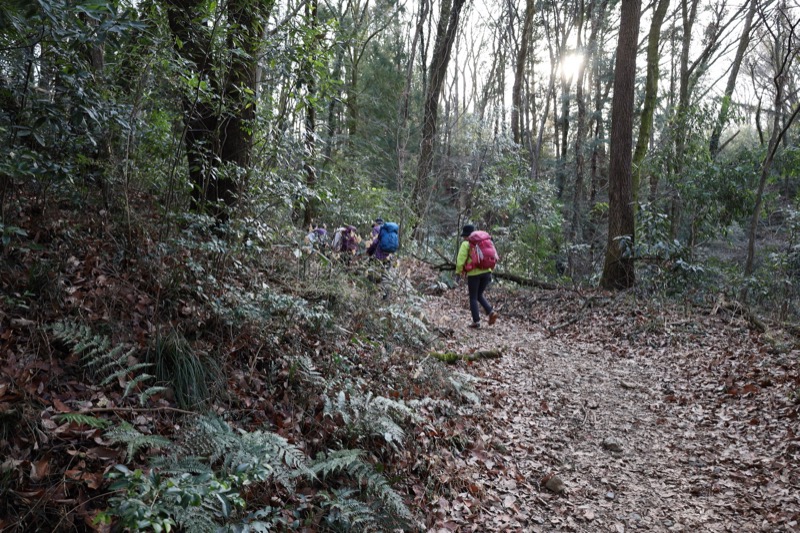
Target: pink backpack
{"x": 482, "y": 253}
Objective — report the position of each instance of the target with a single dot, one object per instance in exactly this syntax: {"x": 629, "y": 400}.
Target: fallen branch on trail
{"x": 526, "y": 282}
{"x": 452, "y": 357}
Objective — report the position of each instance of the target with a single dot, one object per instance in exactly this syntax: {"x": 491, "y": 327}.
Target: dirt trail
{"x": 638, "y": 426}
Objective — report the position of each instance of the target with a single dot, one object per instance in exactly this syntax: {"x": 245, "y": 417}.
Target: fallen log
{"x": 452, "y": 357}
{"x": 519, "y": 280}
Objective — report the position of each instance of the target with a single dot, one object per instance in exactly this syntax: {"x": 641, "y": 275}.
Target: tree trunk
{"x": 650, "y": 95}
{"x": 782, "y": 35}
{"x": 201, "y": 118}
{"x": 308, "y": 78}
{"x": 575, "y": 233}
{"x": 402, "y": 129}
{"x": 744, "y": 42}
{"x": 519, "y": 72}
{"x": 445, "y": 35}
{"x": 218, "y": 134}
{"x": 618, "y": 270}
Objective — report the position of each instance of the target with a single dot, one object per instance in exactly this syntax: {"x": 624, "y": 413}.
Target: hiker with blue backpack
{"x": 476, "y": 259}
{"x": 386, "y": 240}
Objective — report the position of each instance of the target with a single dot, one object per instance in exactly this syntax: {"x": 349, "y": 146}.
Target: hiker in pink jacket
{"x": 469, "y": 264}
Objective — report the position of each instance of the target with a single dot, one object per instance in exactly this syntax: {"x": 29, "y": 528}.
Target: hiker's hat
{"x": 467, "y": 230}
{"x": 379, "y": 220}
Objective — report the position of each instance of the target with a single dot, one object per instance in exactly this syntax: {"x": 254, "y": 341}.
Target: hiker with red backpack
{"x": 477, "y": 258}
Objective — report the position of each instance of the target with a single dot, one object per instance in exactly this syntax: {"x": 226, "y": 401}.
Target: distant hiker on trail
{"x": 476, "y": 259}
{"x": 317, "y": 238}
{"x": 376, "y": 228}
{"x": 345, "y": 241}
{"x": 386, "y": 240}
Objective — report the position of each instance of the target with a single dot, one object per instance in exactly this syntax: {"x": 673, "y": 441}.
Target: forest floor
{"x": 610, "y": 414}
{"x": 605, "y": 412}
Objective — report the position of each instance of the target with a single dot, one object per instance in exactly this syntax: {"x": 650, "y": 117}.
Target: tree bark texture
{"x": 618, "y": 270}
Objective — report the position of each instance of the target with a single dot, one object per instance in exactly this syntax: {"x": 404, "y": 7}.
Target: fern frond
{"x": 463, "y": 385}
{"x": 134, "y": 382}
{"x": 194, "y": 520}
{"x": 134, "y": 439}
{"x": 122, "y": 372}
{"x": 335, "y": 462}
{"x": 98, "y": 355}
{"x": 345, "y": 510}
{"x": 306, "y": 371}
{"x": 171, "y": 465}
{"x": 281, "y": 454}
{"x": 148, "y": 393}
{"x": 351, "y": 462}
{"x": 368, "y": 415}
{"x": 208, "y": 436}
{"x": 81, "y": 419}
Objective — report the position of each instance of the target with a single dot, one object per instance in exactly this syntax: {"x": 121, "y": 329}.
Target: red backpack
{"x": 482, "y": 253}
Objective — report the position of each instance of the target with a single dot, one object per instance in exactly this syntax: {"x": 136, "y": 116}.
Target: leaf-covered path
{"x": 619, "y": 416}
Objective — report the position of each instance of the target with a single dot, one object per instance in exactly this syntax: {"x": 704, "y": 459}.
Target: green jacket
{"x": 463, "y": 256}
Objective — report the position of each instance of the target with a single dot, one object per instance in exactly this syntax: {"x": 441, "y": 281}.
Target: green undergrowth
{"x": 238, "y": 383}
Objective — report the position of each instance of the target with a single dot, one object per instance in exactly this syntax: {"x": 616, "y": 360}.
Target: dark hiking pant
{"x": 477, "y": 284}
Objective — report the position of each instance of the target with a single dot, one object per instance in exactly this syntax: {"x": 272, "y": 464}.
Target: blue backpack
{"x": 388, "y": 238}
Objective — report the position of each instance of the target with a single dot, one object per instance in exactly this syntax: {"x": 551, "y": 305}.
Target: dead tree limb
{"x": 519, "y": 280}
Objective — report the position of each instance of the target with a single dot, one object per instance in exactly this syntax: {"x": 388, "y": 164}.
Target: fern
{"x": 347, "y": 511}
{"x": 197, "y": 522}
{"x": 365, "y": 415}
{"x": 105, "y": 361}
{"x": 148, "y": 392}
{"x": 134, "y": 440}
{"x": 80, "y": 419}
{"x": 197, "y": 486}
{"x": 350, "y": 462}
{"x": 302, "y": 367}
{"x": 264, "y": 453}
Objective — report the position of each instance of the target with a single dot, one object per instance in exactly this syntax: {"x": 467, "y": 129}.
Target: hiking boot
{"x": 493, "y": 317}
{"x": 475, "y": 325}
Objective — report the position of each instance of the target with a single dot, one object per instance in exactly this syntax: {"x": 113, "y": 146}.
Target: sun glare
{"x": 570, "y": 65}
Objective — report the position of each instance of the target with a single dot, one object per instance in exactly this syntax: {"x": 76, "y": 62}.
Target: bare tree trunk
{"x": 402, "y": 129}
{"x": 744, "y": 42}
{"x": 309, "y": 147}
{"x": 575, "y": 233}
{"x": 785, "y": 51}
{"x": 650, "y": 95}
{"x": 597, "y": 18}
{"x": 519, "y": 72}
{"x": 445, "y": 35}
{"x": 618, "y": 270}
